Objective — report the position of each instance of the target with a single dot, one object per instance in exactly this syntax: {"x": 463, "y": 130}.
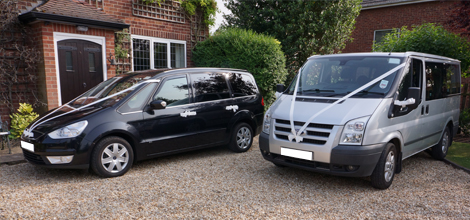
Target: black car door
{"x": 213, "y": 106}
{"x": 170, "y": 129}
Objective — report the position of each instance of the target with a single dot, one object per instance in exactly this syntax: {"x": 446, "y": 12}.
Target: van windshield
{"x": 338, "y": 76}
{"x": 109, "y": 88}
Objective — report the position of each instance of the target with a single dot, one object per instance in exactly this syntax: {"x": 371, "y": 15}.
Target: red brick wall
{"x": 395, "y": 17}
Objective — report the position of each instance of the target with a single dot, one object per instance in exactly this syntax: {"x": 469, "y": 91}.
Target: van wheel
{"x": 384, "y": 171}
{"x": 112, "y": 157}
{"x": 439, "y": 151}
{"x": 242, "y": 138}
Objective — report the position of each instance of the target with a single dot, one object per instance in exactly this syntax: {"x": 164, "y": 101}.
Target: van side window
{"x": 441, "y": 80}
{"x": 174, "y": 92}
{"x": 209, "y": 87}
{"x": 412, "y": 79}
{"x": 242, "y": 85}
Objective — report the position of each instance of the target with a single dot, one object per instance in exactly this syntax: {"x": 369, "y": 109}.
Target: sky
{"x": 218, "y": 17}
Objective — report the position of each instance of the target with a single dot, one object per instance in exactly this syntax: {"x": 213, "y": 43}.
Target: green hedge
{"x": 428, "y": 38}
{"x": 259, "y": 54}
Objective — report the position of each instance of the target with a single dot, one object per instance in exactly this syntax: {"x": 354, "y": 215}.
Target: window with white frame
{"x": 380, "y": 34}
{"x": 155, "y": 53}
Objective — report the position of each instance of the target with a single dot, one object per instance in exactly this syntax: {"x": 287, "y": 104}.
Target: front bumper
{"x": 44, "y": 147}
{"x": 362, "y": 159}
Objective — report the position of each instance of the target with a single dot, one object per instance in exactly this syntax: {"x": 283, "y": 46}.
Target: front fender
{"x": 114, "y": 128}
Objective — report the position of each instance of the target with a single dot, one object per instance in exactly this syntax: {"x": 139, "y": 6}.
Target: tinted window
{"x": 174, "y": 92}
{"x": 208, "y": 87}
{"x": 242, "y": 85}
{"x": 441, "y": 80}
{"x": 137, "y": 101}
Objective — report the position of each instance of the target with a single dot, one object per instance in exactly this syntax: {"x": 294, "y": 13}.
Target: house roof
{"x": 371, "y": 4}
{"x": 73, "y": 12}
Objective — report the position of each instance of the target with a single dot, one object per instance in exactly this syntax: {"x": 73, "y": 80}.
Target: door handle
{"x": 187, "y": 113}
{"x": 84, "y": 85}
{"x": 232, "y": 107}
{"x": 427, "y": 109}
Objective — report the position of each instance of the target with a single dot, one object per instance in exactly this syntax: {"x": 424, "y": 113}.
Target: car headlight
{"x": 69, "y": 131}
{"x": 267, "y": 122}
{"x": 353, "y": 131}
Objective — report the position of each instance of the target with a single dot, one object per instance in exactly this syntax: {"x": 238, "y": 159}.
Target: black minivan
{"x": 147, "y": 114}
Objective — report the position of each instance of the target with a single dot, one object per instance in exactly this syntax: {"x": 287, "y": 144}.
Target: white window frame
{"x": 60, "y": 36}
{"x": 375, "y": 32}
{"x": 153, "y": 40}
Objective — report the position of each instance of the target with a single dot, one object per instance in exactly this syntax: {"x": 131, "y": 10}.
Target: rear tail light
{"x": 262, "y": 101}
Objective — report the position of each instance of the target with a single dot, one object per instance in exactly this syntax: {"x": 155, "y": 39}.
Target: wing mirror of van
{"x": 413, "y": 99}
{"x": 279, "y": 90}
{"x": 157, "y": 104}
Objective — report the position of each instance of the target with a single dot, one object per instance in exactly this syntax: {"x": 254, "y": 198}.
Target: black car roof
{"x": 168, "y": 72}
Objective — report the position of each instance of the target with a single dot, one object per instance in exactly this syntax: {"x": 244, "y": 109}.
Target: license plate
{"x": 27, "y": 146}
{"x": 306, "y": 155}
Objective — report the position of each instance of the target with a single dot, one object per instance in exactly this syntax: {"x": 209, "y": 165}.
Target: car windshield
{"x": 109, "y": 88}
{"x": 338, "y": 76}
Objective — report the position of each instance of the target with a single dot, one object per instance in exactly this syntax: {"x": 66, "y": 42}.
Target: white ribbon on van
{"x": 297, "y": 134}
{"x": 29, "y": 132}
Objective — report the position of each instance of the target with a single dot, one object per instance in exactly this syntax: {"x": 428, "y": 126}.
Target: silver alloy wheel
{"x": 389, "y": 166}
{"x": 444, "y": 142}
{"x": 115, "y": 158}
{"x": 243, "y": 137}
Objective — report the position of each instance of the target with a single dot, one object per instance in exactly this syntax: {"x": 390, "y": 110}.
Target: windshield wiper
{"x": 318, "y": 90}
{"x": 364, "y": 92}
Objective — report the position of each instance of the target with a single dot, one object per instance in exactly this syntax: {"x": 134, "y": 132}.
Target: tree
{"x": 304, "y": 27}
{"x": 427, "y": 38}
{"x": 460, "y": 18}
{"x": 236, "y": 48}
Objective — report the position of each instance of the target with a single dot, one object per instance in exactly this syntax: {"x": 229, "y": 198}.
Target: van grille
{"x": 316, "y": 133}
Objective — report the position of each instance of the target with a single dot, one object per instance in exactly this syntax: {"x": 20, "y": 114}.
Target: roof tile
{"x": 76, "y": 8}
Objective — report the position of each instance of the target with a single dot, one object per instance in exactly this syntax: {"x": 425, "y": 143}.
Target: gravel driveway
{"x": 218, "y": 184}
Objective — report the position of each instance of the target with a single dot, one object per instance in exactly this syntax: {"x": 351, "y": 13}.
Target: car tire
{"x": 384, "y": 171}
{"x": 439, "y": 151}
{"x": 112, "y": 157}
{"x": 279, "y": 165}
{"x": 242, "y": 138}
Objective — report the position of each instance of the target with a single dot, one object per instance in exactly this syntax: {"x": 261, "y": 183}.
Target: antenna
{"x": 395, "y": 44}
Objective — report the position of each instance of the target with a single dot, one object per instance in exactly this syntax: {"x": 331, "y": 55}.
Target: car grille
{"x": 33, "y": 158}
{"x": 316, "y": 133}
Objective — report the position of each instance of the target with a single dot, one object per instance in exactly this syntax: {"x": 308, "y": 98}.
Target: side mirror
{"x": 414, "y": 97}
{"x": 157, "y": 104}
{"x": 280, "y": 88}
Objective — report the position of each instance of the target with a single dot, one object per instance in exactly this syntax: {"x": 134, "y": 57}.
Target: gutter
{"x": 33, "y": 16}
{"x": 386, "y": 5}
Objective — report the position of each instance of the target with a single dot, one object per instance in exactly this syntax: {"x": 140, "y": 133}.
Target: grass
{"x": 459, "y": 153}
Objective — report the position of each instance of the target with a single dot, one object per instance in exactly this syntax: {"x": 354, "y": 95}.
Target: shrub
{"x": 464, "y": 121}
{"x": 241, "y": 49}
{"x": 21, "y": 120}
{"x": 428, "y": 38}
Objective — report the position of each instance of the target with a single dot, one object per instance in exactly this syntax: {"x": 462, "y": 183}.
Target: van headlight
{"x": 69, "y": 131}
{"x": 267, "y": 121}
{"x": 353, "y": 131}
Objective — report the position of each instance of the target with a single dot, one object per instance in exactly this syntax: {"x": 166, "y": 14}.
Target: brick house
{"x": 379, "y": 17}
{"x": 77, "y": 39}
